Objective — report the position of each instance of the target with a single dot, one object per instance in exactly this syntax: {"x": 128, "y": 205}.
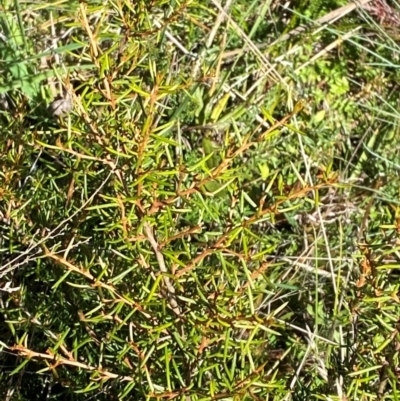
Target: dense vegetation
{"x": 199, "y": 201}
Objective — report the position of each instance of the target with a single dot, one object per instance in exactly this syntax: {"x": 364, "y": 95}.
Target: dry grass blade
{"x": 328, "y": 18}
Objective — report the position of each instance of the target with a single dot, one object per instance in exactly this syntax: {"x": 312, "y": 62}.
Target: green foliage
{"x": 217, "y": 226}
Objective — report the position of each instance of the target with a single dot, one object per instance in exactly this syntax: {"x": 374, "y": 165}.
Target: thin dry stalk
{"x": 171, "y": 296}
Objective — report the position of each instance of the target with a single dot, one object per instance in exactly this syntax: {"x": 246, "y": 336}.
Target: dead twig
{"x": 171, "y": 296}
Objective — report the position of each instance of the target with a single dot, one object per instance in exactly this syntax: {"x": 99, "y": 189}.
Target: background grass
{"x": 213, "y": 211}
